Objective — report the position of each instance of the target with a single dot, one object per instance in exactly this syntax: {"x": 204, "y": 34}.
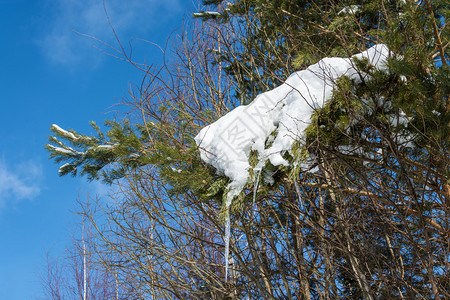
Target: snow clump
{"x": 285, "y": 111}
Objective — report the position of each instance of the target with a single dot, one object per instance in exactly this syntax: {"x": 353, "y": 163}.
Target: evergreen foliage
{"x": 104, "y": 156}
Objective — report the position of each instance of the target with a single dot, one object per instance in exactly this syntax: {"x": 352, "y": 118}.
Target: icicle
{"x": 227, "y": 242}
{"x": 231, "y": 194}
{"x": 233, "y": 191}
{"x": 298, "y": 193}
{"x": 255, "y": 187}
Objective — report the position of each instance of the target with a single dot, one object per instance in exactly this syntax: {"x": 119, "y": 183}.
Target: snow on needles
{"x": 64, "y": 132}
{"x": 284, "y": 111}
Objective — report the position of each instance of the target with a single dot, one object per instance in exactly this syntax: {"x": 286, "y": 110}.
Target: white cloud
{"x": 63, "y": 45}
{"x": 98, "y": 189}
{"x": 19, "y": 182}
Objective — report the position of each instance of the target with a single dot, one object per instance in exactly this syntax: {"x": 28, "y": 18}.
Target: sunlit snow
{"x": 64, "y": 132}
{"x": 284, "y": 111}
{"x": 350, "y": 10}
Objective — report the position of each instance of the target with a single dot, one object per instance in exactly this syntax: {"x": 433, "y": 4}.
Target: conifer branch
{"x": 436, "y": 33}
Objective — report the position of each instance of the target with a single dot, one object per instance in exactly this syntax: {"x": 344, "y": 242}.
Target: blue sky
{"x": 51, "y": 74}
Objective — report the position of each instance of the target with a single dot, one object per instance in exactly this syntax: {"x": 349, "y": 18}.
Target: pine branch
{"x": 92, "y": 156}
{"x": 436, "y": 33}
